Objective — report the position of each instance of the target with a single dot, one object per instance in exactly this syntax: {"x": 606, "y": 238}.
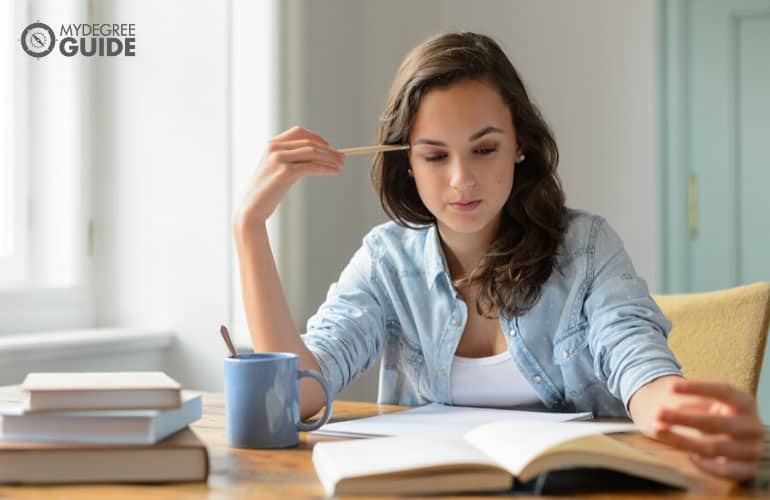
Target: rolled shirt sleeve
{"x": 628, "y": 332}
{"x": 346, "y": 333}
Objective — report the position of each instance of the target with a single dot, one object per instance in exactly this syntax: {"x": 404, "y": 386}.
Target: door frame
{"x": 674, "y": 140}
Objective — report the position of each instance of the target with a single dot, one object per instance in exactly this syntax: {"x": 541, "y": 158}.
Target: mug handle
{"x": 329, "y": 400}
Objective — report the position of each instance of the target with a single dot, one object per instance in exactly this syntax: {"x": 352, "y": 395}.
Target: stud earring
{"x": 409, "y": 171}
{"x": 521, "y": 158}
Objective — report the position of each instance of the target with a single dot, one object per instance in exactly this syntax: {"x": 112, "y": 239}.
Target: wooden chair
{"x": 720, "y": 335}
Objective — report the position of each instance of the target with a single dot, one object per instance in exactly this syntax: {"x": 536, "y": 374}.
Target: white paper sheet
{"x": 436, "y": 418}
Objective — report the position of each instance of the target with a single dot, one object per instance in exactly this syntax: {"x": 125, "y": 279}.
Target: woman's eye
{"x": 434, "y": 157}
{"x": 441, "y": 156}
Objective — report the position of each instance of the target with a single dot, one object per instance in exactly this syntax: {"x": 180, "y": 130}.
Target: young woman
{"x": 485, "y": 289}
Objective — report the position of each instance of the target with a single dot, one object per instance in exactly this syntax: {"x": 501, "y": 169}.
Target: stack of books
{"x": 129, "y": 427}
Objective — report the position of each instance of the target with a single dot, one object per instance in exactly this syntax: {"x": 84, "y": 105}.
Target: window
{"x": 43, "y": 168}
{"x": 12, "y": 214}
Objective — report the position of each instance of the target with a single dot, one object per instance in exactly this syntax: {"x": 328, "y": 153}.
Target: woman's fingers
{"x": 718, "y": 425}
{"x": 315, "y": 169}
{"x": 301, "y": 150}
{"x": 299, "y": 143}
{"x": 289, "y": 156}
{"x": 298, "y": 159}
{"x": 701, "y": 405}
{"x": 304, "y": 153}
{"x": 716, "y": 390}
{"x": 740, "y": 426}
{"x": 719, "y": 466}
{"x": 709, "y": 446}
{"x": 299, "y": 133}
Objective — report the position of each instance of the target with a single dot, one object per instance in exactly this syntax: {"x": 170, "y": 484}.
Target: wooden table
{"x": 288, "y": 474}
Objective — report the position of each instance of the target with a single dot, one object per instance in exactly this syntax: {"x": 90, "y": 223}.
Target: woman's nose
{"x": 461, "y": 177}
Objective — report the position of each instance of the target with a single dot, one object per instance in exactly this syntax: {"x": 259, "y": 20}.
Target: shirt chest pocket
{"x": 573, "y": 357}
{"x": 401, "y": 350}
{"x": 405, "y": 361}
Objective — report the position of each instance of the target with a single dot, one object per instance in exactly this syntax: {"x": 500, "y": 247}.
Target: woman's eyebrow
{"x": 477, "y": 135}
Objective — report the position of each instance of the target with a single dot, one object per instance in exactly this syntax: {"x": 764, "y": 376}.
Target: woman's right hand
{"x": 289, "y": 156}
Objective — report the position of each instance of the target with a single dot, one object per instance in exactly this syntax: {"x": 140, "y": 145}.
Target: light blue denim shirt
{"x": 594, "y": 337}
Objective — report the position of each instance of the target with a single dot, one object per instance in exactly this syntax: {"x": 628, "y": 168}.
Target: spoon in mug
{"x": 226, "y": 336}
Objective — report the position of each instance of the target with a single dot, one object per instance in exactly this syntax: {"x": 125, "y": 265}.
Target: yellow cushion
{"x": 720, "y": 335}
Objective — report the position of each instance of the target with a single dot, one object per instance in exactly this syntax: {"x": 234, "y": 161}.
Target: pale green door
{"x": 725, "y": 142}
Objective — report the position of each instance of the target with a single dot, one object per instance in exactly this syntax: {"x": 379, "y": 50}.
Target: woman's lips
{"x": 466, "y": 207}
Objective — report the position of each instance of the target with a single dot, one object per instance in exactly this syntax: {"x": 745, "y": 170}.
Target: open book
{"x": 488, "y": 458}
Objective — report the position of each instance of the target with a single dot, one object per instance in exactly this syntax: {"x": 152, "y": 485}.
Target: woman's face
{"x": 462, "y": 155}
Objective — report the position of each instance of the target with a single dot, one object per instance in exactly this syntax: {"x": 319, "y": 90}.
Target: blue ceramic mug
{"x": 262, "y": 400}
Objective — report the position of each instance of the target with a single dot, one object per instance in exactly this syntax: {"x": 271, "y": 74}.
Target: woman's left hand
{"x": 725, "y": 435}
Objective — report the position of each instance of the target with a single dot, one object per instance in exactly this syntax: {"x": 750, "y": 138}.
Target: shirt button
{"x": 457, "y": 322}
{"x": 564, "y": 353}
{"x": 512, "y": 333}
{"x": 442, "y": 371}
{"x": 536, "y": 379}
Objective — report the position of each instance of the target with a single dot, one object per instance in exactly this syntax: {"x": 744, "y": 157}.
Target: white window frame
{"x": 254, "y": 118}
{"x": 53, "y": 167}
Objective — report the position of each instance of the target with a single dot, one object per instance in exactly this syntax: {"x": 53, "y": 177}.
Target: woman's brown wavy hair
{"x": 511, "y": 275}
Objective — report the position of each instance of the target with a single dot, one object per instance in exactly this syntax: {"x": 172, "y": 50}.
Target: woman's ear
{"x": 520, "y": 149}
{"x": 519, "y": 154}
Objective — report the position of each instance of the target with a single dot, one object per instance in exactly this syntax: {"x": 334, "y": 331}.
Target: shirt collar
{"x": 434, "y": 260}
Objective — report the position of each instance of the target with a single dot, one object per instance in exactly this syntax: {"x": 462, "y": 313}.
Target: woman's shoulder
{"x": 583, "y": 231}
{"x": 391, "y": 239}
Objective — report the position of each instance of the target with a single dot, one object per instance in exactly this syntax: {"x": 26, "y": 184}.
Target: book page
{"x": 12, "y": 400}
{"x": 98, "y": 380}
{"x": 436, "y": 418}
{"x": 514, "y": 443}
{"x": 336, "y": 460}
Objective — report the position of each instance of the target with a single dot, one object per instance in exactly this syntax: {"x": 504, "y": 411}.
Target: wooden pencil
{"x": 362, "y": 150}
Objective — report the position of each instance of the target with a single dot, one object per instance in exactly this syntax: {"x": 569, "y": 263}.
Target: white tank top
{"x": 490, "y": 381}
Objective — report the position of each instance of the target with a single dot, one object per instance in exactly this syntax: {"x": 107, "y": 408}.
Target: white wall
{"x": 161, "y": 192}
{"x": 590, "y": 66}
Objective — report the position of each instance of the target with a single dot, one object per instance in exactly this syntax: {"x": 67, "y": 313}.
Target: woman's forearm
{"x": 271, "y": 327}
